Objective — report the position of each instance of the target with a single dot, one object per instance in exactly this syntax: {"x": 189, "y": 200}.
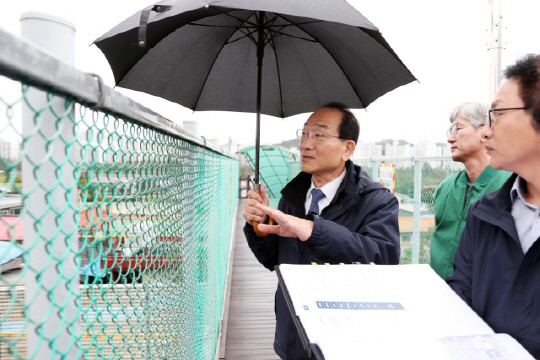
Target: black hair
{"x": 526, "y": 71}
{"x": 349, "y": 129}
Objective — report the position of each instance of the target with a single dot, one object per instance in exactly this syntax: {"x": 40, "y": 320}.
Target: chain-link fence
{"x": 415, "y": 181}
{"x": 115, "y": 229}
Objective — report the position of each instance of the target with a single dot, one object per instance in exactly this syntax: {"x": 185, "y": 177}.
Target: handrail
{"x": 23, "y": 60}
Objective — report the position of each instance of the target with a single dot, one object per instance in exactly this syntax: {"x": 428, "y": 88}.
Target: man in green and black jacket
{"x": 456, "y": 193}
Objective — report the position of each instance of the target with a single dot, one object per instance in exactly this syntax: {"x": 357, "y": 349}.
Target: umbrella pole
{"x": 260, "y": 56}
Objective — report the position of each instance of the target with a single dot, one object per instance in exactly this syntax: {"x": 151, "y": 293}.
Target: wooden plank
{"x": 253, "y": 335}
{"x": 268, "y": 351}
{"x": 251, "y": 319}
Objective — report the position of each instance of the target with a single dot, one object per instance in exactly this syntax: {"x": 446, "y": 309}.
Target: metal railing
{"x": 416, "y": 179}
{"x": 124, "y": 224}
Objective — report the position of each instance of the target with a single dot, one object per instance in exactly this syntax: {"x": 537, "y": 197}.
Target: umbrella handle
{"x": 256, "y": 224}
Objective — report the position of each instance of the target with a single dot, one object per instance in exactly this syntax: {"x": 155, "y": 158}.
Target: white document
{"x": 382, "y": 312}
{"x": 484, "y": 347}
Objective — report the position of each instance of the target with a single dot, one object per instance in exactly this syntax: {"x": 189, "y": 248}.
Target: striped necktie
{"x": 316, "y": 195}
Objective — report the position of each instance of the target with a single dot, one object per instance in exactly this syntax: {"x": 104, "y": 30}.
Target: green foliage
{"x": 405, "y": 181}
{"x": 424, "y": 256}
{"x": 431, "y": 178}
{"x": 14, "y": 183}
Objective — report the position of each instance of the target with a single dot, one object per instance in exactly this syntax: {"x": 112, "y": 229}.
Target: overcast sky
{"x": 443, "y": 43}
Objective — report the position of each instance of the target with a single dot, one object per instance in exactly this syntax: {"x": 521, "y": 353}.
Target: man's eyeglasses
{"x": 453, "y": 130}
{"x": 314, "y": 135}
{"x": 494, "y": 114}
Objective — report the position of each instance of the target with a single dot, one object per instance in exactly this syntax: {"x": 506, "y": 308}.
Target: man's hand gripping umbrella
{"x": 257, "y": 209}
{"x": 254, "y": 216}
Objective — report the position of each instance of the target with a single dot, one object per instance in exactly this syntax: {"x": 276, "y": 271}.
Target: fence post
{"x": 417, "y": 195}
{"x": 50, "y": 203}
{"x": 375, "y": 169}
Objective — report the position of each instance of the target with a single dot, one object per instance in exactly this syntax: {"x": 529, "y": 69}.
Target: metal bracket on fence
{"x": 101, "y": 92}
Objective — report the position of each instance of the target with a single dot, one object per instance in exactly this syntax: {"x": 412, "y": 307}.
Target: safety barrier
{"x": 116, "y": 223}
{"x": 414, "y": 182}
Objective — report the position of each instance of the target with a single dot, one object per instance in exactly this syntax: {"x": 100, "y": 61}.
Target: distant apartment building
{"x": 364, "y": 150}
{"x": 427, "y": 149}
{"x": 384, "y": 148}
{"x": 433, "y": 149}
{"x": 5, "y": 150}
{"x": 387, "y": 148}
{"x": 400, "y": 149}
{"x": 9, "y": 150}
{"x": 396, "y": 148}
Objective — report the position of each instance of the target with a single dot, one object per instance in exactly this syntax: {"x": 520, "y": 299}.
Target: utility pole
{"x": 495, "y": 47}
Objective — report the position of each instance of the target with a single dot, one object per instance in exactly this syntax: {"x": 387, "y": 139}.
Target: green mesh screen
{"x": 115, "y": 236}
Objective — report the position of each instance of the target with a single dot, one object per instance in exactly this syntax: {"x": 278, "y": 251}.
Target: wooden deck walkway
{"x": 251, "y": 321}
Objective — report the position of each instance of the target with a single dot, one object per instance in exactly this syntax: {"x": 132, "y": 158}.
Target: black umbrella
{"x": 208, "y": 55}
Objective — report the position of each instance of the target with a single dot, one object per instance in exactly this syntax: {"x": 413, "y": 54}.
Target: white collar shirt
{"x": 526, "y": 216}
{"x": 329, "y": 191}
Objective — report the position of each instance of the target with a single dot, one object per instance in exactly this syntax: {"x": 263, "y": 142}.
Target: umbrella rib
{"x": 242, "y": 27}
{"x": 214, "y": 62}
{"x": 336, "y": 62}
{"x": 246, "y": 30}
{"x": 271, "y": 42}
{"x": 247, "y": 34}
{"x": 241, "y": 20}
{"x": 238, "y": 27}
{"x": 276, "y": 33}
{"x": 271, "y": 35}
{"x": 217, "y": 26}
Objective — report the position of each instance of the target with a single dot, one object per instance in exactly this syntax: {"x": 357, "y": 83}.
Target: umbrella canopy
{"x": 203, "y": 55}
{"x": 279, "y": 57}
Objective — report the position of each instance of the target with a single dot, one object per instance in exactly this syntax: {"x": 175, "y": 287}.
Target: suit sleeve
{"x": 264, "y": 248}
{"x": 461, "y": 280}
{"x": 375, "y": 237}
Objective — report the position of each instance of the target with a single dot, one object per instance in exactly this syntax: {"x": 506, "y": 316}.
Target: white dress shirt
{"x": 526, "y": 216}
{"x": 329, "y": 191}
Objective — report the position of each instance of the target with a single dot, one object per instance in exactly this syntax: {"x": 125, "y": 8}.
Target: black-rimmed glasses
{"x": 494, "y": 114}
{"x": 314, "y": 135}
